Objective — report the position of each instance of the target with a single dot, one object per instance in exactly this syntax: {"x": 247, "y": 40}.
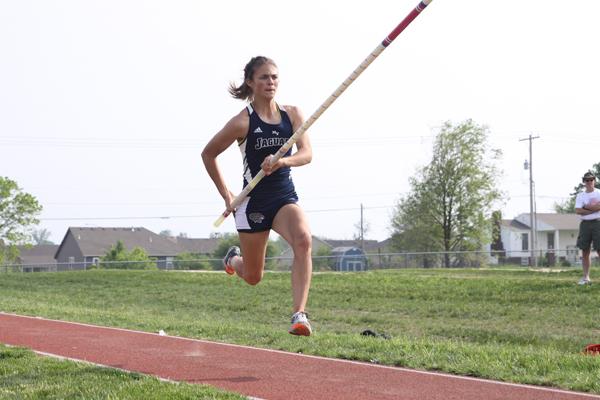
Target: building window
{"x": 550, "y": 240}
{"x": 524, "y": 241}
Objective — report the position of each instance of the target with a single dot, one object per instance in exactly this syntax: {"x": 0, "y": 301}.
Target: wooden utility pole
{"x": 532, "y": 218}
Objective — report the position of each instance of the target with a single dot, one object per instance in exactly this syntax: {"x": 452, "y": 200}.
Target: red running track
{"x": 258, "y": 373}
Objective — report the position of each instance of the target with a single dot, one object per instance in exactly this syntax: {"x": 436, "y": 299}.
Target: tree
{"x": 323, "y": 261}
{"x": 449, "y": 205}
{"x": 40, "y": 236}
{"x": 166, "y": 232}
{"x": 119, "y": 257}
{"x": 568, "y": 206}
{"x": 18, "y": 212}
{"x": 497, "y": 245}
{"x": 231, "y": 239}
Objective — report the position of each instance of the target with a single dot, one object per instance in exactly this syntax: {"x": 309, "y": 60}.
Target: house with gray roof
{"x": 83, "y": 247}
{"x": 37, "y": 258}
{"x": 196, "y": 246}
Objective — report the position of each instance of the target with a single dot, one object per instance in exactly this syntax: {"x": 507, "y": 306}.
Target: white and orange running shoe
{"x": 300, "y": 325}
{"x": 232, "y": 252}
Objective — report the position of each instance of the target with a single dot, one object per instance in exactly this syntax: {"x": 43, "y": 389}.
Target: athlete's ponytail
{"x": 244, "y": 92}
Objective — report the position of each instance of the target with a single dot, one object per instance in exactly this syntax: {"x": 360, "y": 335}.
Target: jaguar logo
{"x": 256, "y": 217}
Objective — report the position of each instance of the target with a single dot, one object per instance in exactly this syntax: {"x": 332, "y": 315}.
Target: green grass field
{"x": 512, "y": 325}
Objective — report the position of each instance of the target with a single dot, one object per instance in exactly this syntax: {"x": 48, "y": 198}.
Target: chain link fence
{"x": 337, "y": 262}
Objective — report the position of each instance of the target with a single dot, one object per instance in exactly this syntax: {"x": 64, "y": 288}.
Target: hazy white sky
{"x": 105, "y": 106}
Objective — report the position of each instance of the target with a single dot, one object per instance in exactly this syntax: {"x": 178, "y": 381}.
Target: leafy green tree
{"x": 18, "y": 212}
{"x": 231, "y": 239}
{"x": 449, "y": 205}
{"x": 568, "y": 206}
{"x": 116, "y": 252}
{"x": 41, "y": 236}
{"x": 226, "y": 241}
{"x": 323, "y": 260}
{"x": 414, "y": 234}
{"x": 497, "y": 245}
{"x": 118, "y": 257}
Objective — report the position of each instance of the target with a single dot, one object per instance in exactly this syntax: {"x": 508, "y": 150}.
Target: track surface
{"x": 258, "y": 373}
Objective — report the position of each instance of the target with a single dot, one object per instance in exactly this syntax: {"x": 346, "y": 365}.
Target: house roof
{"x": 97, "y": 241}
{"x": 345, "y": 249}
{"x": 513, "y": 223}
{"x": 551, "y": 221}
{"x": 561, "y": 221}
{"x": 368, "y": 244}
{"x": 195, "y": 246}
{"x": 38, "y": 254}
{"x": 317, "y": 241}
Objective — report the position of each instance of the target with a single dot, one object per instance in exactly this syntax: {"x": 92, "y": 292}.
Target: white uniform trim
{"x": 247, "y": 174}
{"x": 241, "y": 219}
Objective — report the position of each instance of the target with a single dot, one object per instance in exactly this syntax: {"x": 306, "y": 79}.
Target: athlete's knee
{"x": 253, "y": 278}
{"x": 302, "y": 242}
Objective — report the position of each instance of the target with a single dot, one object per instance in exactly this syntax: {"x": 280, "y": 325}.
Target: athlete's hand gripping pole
{"x": 359, "y": 70}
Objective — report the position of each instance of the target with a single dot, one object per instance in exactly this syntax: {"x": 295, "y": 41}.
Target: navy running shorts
{"x": 257, "y": 215}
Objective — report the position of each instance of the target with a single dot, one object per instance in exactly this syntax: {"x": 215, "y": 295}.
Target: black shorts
{"x": 257, "y": 215}
{"x": 589, "y": 231}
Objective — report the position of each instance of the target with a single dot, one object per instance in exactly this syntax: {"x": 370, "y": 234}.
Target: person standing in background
{"x": 587, "y": 206}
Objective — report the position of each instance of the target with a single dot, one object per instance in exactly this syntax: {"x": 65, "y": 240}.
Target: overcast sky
{"x": 105, "y": 106}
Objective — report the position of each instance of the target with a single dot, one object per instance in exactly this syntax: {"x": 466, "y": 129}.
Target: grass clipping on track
{"x": 513, "y": 325}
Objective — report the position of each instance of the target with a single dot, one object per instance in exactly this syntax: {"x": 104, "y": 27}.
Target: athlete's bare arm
{"x": 235, "y": 129}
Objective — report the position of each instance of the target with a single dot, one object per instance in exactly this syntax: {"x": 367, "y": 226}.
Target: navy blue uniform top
{"x": 264, "y": 139}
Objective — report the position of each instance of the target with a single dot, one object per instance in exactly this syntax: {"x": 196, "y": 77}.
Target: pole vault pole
{"x": 341, "y": 89}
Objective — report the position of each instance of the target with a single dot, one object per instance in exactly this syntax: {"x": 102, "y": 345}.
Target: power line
{"x": 193, "y": 216}
{"x": 192, "y": 203}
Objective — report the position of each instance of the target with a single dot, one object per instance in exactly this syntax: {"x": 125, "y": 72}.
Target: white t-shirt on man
{"x": 588, "y": 199}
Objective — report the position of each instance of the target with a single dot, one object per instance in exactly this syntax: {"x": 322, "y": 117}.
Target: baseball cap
{"x": 588, "y": 175}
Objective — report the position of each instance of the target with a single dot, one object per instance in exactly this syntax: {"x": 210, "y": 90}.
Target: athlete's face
{"x": 265, "y": 81}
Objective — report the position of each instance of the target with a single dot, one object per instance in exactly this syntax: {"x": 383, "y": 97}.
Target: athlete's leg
{"x": 291, "y": 223}
{"x": 250, "y": 267}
